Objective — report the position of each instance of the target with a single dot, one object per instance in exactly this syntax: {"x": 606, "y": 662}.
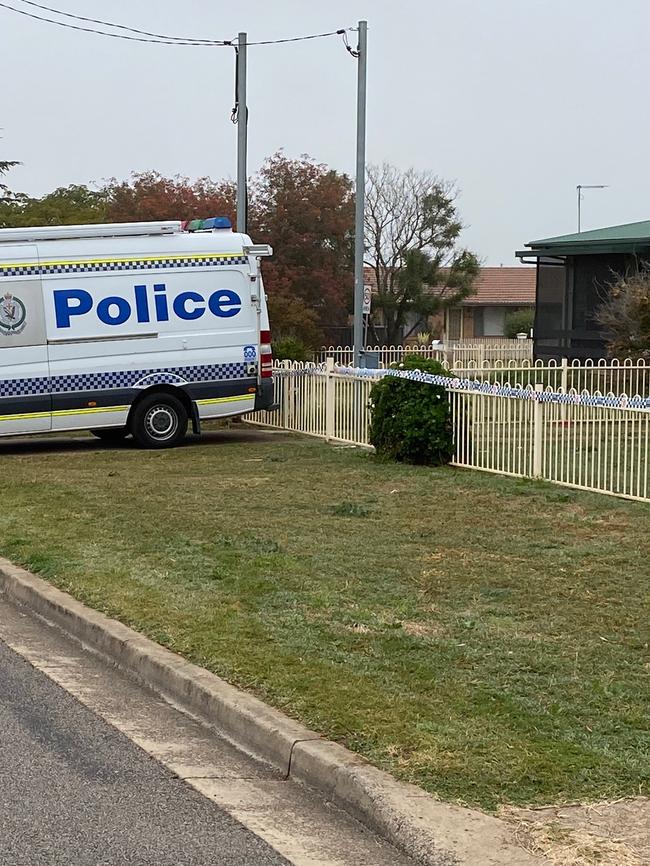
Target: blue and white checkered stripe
{"x": 477, "y": 386}
{"x": 103, "y": 381}
{"x": 53, "y": 268}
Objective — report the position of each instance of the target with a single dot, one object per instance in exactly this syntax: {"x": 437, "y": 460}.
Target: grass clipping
{"x": 571, "y": 846}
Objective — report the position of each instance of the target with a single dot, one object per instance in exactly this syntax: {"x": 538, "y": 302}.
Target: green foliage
{"x": 71, "y": 205}
{"x": 411, "y": 421}
{"x": 625, "y": 316}
{"x": 291, "y": 349}
{"x": 519, "y": 322}
{"x": 5, "y": 165}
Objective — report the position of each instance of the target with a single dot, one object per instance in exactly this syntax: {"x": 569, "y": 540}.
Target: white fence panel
{"x": 559, "y": 436}
{"x": 351, "y": 409}
{"x": 598, "y": 448}
{"x": 493, "y": 433}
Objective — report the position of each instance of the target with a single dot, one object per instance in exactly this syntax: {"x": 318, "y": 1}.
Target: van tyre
{"x": 111, "y": 434}
{"x": 159, "y": 421}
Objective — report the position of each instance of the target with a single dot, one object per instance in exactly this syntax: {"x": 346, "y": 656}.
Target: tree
{"x": 412, "y": 229}
{"x": 144, "y": 197}
{"x": 149, "y": 196}
{"x": 519, "y": 322}
{"x": 5, "y": 165}
{"x": 76, "y": 204}
{"x": 306, "y": 212}
{"x": 625, "y": 316}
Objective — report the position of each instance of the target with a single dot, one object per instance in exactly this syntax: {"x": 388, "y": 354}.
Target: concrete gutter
{"x": 433, "y": 833}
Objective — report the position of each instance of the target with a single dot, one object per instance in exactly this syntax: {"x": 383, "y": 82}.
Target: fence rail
{"x": 458, "y": 352}
{"x": 583, "y": 440}
{"x": 607, "y": 376}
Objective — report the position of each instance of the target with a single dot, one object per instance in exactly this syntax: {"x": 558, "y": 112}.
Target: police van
{"x": 131, "y": 328}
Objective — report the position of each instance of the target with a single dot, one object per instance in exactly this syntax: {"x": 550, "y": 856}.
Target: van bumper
{"x": 264, "y": 396}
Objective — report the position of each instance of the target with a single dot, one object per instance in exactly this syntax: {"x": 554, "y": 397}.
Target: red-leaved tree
{"x": 151, "y": 196}
{"x": 306, "y": 212}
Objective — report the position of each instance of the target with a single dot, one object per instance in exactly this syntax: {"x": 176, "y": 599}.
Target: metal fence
{"x": 581, "y": 440}
{"x": 478, "y": 351}
{"x": 606, "y": 376}
{"x": 320, "y": 401}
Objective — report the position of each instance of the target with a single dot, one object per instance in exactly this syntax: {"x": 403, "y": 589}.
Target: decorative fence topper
{"x": 454, "y": 383}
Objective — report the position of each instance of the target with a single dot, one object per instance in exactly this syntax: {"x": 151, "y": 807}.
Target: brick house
{"x": 498, "y": 291}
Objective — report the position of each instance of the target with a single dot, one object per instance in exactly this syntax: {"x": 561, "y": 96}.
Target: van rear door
{"x": 25, "y": 398}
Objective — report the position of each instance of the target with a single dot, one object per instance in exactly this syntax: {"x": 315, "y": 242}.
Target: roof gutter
{"x": 594, "y": 249}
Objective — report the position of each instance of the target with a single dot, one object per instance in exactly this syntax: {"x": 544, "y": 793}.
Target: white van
{"x": 131, "y": 328}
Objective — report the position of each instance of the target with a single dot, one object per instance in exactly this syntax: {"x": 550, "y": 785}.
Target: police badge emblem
{"x": 13, "y": 315}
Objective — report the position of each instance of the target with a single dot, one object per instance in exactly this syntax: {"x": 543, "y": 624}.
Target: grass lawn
{"x": 483, "y": 637}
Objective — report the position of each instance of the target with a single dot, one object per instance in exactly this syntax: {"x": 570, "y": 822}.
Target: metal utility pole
{"x": 579, "y": 189}
{"x": 362, "y": 56}
{"x": 242, "y": 134}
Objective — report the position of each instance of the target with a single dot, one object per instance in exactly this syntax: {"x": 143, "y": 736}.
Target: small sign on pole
{"x": 367, "y": 300}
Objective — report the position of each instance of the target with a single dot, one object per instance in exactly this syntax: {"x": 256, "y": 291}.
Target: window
{"x": 489, "y": 321}
{"x": 453, "y": 324}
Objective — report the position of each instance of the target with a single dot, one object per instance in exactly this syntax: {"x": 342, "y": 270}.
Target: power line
{"x": 299, "y": 38}
{"x": 124, "y": 27}
{"x": 106, "y": 33}
{"x": 147, "y": 36}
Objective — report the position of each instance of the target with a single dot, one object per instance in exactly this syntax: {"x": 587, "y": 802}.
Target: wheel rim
{"x": 161, "y": 422}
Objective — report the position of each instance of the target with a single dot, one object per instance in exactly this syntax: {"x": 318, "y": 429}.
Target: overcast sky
{"x": 516, "y": 100}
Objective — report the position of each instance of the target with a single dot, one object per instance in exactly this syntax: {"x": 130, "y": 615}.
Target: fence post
{"x": 564, "y": 382}
{"x": 564, "y": 385}
{"x": 538, "y": 433}
{"x": 329, "y": 398}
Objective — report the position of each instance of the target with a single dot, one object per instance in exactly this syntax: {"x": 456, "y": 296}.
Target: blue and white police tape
{"x": 454, "y": 383}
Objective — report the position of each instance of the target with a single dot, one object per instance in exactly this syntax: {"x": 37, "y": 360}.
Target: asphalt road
{"x": 76, "y": 792}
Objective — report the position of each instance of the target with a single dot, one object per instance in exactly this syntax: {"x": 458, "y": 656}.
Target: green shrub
{"x": 519, "y": 322}
{"x": 411, "y": 421}
{"x": 291, "y": 349}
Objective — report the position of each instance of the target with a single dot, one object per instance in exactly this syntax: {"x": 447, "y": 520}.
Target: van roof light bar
{"x": 102, "y": 230}
{"x": 212, "y": 224}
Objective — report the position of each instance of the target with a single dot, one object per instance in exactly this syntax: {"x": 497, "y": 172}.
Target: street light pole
{"x": 579, "y": 189}
{"x": 360, "y": 192}
{"x": 242, "y": 134}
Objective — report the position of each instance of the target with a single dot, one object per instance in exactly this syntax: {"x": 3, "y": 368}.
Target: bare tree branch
{"x": 411, "y": 212}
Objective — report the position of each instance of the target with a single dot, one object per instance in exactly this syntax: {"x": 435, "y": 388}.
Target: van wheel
{"x": 111, "y": 434}
{"x": 159, "y": 421}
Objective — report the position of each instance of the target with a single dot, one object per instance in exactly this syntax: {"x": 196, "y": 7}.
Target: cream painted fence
{"x": 606, "y": 376}
{"x": 584, "y": 440}
{"x": 320, "y": 401}
{"x": 613, "y": 376}
{"x": 477, "y": 351}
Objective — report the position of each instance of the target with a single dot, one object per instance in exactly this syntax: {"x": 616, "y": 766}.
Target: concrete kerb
{"x": 433, "y": 833}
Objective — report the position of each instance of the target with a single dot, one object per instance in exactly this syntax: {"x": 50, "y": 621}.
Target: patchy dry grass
{"x": 598, "y": 834}
{"x": 483, "y": 637}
